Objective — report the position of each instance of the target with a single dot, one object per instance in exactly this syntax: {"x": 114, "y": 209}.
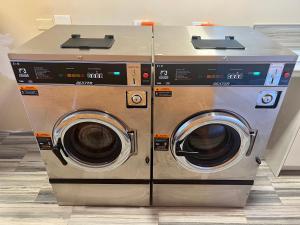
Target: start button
{"x": 286, "y": 75}
{"x": 146, "y": 75}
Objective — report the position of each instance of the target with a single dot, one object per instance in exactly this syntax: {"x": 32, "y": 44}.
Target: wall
{"x": 17, "y": 17}
{"x": 12, "y": 114}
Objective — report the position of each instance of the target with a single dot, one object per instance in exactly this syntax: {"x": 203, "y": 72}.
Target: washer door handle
{"x": 133, "y": 142}
{"x": 253, "y": 134}
{"x": 180, "y": 152}
{"x": 57, "y": 152}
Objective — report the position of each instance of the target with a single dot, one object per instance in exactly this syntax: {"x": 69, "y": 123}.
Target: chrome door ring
{"x": 103, "y": 118}
{"x": 212, "y": 118}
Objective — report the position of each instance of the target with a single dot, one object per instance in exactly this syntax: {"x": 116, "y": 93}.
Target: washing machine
{"x": 87, "y": 94}
{"x": 217, "y": 92}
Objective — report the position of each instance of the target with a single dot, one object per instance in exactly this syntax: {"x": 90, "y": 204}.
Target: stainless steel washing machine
{"x": 87, "y": 93}
{"x": 217, "y": 93}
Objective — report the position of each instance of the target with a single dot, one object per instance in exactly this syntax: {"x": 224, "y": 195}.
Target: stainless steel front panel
{"x": 102, "y": 194}
{"x": 200, "y": 195}
{"x": 204, "y": 195}
{"x": 173, "y": 45}
{"x": 55, "y": 101}
{"x": 186, "y": 101}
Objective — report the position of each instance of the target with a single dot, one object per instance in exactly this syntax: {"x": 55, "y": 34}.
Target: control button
{"x": 136, "y": 99}
{"x": 286, "y": 75}
{"x": 146, "y": 75}
{"x": 266, "y": 99}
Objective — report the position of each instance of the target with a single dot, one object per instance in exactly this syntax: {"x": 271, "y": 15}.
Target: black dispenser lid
{"x": 87, "y": 43}
{"x": 227, "y": 43}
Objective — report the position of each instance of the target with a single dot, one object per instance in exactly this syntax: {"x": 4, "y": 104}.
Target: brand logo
{"x": 84, "y": 83}
{"x": 23, "y": 72}
{"x": 163, "y": 75}
{"x": 221, "y": 83}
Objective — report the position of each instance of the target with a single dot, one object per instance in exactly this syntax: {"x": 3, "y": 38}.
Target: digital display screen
{"x": 74, "y": 75}
{"x": 214, "y": 76}
{"x": 235, "y": 76}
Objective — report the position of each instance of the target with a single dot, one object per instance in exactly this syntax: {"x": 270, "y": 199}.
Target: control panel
{"x": 82, "y": 73}
{"x": 274, "y": 74}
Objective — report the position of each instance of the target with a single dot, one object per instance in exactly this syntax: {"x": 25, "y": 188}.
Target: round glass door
{"x": 93, "y": 139}
{"x": 92, "y": 143}
{"x": 211, "y": 142}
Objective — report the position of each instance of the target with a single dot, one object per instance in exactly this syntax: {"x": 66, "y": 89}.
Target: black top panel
{"x": 223, "y": 74}
{"x": 227, "y": 43}
{"x": 87, "y": 43}
{"x": 76, "y": 73}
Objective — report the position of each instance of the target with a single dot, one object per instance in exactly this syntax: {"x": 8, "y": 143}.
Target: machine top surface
{"x": 175, "y": 44}
{"x": 130, "y": 44}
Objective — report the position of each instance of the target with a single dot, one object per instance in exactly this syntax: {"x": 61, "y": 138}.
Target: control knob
{"x": 266, "y": 99}
{"x": 136, "y": 99}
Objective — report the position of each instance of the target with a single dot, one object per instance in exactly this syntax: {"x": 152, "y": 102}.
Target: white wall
{"x": 17, "y": 17}
{"x": 12, "y": 114}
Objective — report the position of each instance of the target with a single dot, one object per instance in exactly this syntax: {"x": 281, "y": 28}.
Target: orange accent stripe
{"x": 28, "y": 88}
{"x": 163, "y": 89}
{"x": 42, "y": 134}
{"x": 161, "y": 136}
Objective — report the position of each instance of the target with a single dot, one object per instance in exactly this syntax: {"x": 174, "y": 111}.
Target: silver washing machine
{"x": 217, "y": 92}
{"x": 87, "y": 93}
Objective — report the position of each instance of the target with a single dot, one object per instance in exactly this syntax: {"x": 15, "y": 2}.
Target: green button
{"x": 256, "y": 73}
{"x": 117, "y": 73}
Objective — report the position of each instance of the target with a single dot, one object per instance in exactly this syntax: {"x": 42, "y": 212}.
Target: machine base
{"x": 102, "y": 194}
{"x": 200, "y": 195}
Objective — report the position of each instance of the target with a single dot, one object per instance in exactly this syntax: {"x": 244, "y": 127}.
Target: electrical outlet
{"x": 44, "y": 23}
{"x": 62, "y": 19}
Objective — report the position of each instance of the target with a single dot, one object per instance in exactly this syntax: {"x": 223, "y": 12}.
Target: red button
{"x": 286, "y": 75}
{"x": 146, "y": 75}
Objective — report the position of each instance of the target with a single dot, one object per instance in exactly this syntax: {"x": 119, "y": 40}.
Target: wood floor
{"x": 26, "y": 198}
